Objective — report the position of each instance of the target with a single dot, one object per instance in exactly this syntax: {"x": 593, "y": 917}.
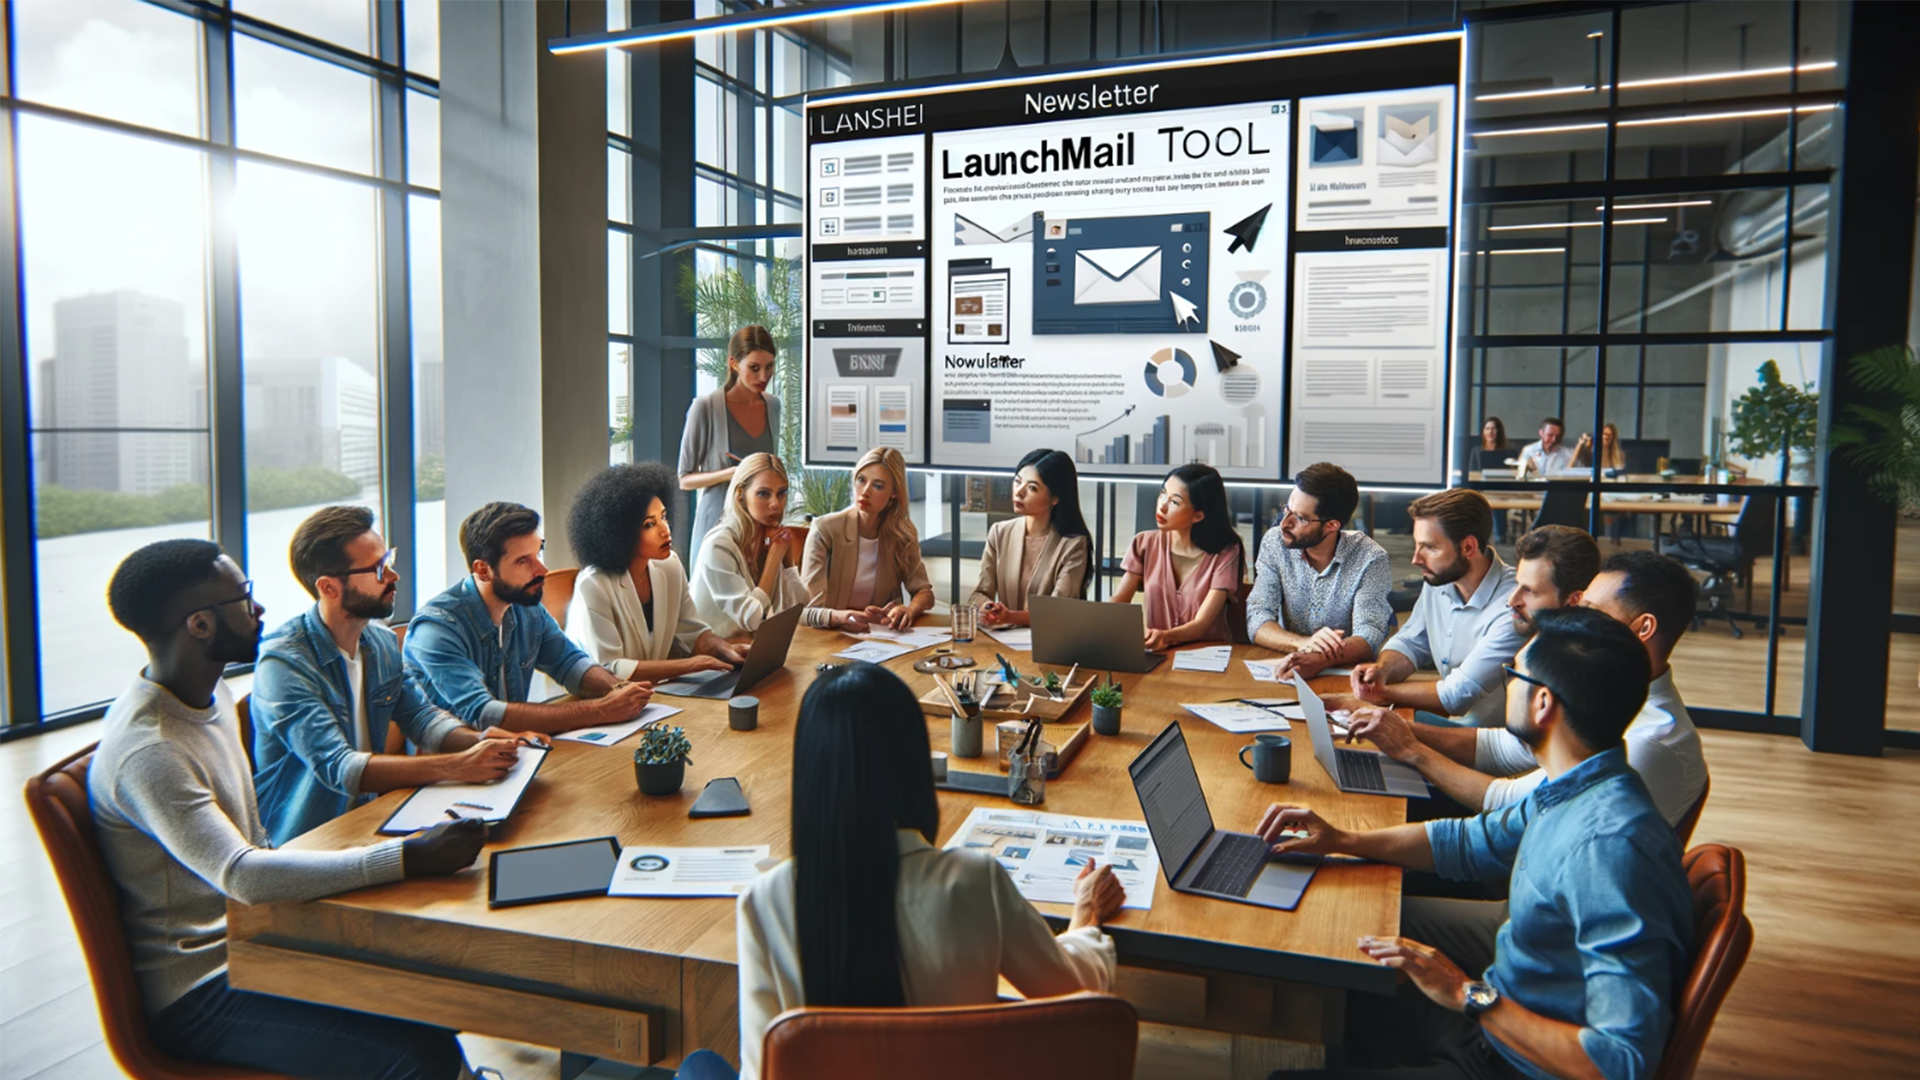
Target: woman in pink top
{"x": 1190, "y": 562}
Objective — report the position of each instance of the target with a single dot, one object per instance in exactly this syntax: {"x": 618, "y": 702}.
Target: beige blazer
{"x": 1061, "y": 570}
{"x": 833, "y": 560}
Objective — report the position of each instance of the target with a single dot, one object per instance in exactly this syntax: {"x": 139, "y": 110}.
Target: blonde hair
{"x": 896, "y": 529}
{"x": 745, "y": 342}
{"x": 740, "y": 525}
{"x": 1616, "y": 458}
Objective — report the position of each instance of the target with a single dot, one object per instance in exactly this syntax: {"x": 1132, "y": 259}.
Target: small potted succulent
{"x": 1107, "y": 700}
{"x": 660, "y": 763}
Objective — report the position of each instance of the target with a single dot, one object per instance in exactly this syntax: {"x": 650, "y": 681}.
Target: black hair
{"x": 1596, "y": 668}
{"x": 1207, "y": 493}
{"x": 320, "y": 543}
{"x": 484, "y": 535}
{"x": 144, "y": 594}
{"x": 604, "y": 523}
{"x": 1334, "y": 491}
{"x": 1063, "y": 480}
{"x": 1572, "y": 553}
{"x": 860, "y": 770}
{"x": 1657, "y": 585}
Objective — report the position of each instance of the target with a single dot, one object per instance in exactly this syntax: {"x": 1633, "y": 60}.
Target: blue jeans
{"x": 705, "y": 1065}
{"x": 217, "y": 1024}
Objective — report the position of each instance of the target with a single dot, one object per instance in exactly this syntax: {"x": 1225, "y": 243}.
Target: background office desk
{"x": 646, "y": 981}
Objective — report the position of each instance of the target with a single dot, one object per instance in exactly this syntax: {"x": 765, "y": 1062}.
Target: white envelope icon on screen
{"x": 1128, "y": 275}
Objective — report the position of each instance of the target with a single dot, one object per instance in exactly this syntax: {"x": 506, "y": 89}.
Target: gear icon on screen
{"x": 1249, "y": 298}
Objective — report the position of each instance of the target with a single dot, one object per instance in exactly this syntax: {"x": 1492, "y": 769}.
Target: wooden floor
{"x": 1833, "y": 988}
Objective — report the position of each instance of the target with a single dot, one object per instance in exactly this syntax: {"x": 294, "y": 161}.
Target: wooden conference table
{"x": 646, "y": 981}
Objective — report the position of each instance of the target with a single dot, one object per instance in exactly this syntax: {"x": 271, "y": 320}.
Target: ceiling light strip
{"x": 1669, "y": 80}
{"x": 1575, "y": 224}
{"x": 1651, "y": 121}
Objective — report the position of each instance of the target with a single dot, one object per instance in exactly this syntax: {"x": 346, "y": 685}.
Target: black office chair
{"x": 1726, "y": 560}
{"x": 1565, "y": 504}
{"x": 1643, "y": 455}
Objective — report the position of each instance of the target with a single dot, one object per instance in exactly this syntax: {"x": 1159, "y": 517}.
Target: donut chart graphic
{"x": 1170, "y": 373}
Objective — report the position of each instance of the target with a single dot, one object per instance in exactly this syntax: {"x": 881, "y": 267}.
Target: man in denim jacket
{"x": 329, "y": 683}
{"x": 474, "y": 648}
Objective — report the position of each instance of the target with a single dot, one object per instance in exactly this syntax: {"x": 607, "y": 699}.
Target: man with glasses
{"x": 179, "y": 827}
{"x": 1320, "y": 590}
{"x": 474, "y": 648}
{"x": 1580, "y": 980}
{"x": 329, "y": 684}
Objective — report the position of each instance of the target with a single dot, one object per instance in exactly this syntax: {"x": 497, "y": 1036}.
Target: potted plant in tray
{"x": 660, "y": 763}
{"x": 1107, "y": 700}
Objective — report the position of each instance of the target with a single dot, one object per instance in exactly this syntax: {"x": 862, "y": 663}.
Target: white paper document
{"x": 1046, "y": 852}
{"x": 490, "y": 802}
{"x": 1013, "y": 637}
{"x": 914, "y": 637}
{"x": 1250, "y": 715}
{"x": 686, "y": 871}
{"x": 873, "y": 652}
{"x": 1213, "y": 658}
{"x": 1264, "y": 670}
{"x": 613, "y": 733}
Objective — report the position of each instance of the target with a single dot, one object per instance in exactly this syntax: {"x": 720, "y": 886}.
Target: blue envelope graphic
{"x": 1336, "y": 139}
{"x": 1122, "y": 275}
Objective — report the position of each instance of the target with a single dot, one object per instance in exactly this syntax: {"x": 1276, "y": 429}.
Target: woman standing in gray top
{"x": 725, "y": 426}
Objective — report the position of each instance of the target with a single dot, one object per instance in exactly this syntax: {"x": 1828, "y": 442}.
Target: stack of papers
{"x": 1044, "y": 853}
{"x": 613, "y": 733}
{"x": 676, "y": 871}
{"x": 873, "y": 652}
{"x": 1249, "y": 715}
{"x": 880, "y": 644}
{"x": 1013, "y": 637}
{"x": 1214, "y": 658}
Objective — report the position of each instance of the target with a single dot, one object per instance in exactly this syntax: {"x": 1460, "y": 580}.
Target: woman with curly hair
{"x": 749, "y": 569}
{"x": 859, "y": 560}
{"x": 631, "y": 609}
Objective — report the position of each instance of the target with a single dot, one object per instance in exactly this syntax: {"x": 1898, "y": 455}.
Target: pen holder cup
{"x": 966, "y": 736}
{"x": 964, "y": 618}
{"x": 1027, "y": 778}
{"x": 1008, "y": 735}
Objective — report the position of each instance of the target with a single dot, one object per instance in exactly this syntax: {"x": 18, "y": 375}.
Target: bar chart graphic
{"x": 1133, "y": 438}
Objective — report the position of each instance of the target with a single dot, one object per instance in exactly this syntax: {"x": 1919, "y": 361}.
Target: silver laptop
{"x": 1097, "y": 636}
{"x": 1195, "y": 856}
{"x": 1369, "y": 772}
{"x": 767, "y": 655}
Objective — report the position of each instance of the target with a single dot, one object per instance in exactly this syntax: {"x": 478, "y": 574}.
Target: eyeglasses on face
{"x": 1512, "y": 675}
{"x": 1289, "y": 514}
{"x": 247, "y": 596}
{"x": 379, "y": 569}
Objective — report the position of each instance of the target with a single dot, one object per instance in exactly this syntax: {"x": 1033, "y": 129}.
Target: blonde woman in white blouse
{"x": 748, "y": 569}
{"x": 861, "y": 560}
{"x": 631, "y": 608}
{"x": 883, "y": 917}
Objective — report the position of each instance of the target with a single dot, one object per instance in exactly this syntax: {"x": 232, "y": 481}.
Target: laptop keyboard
{"x": 1359, "y": 770}
{"x": 1234, "y": 866}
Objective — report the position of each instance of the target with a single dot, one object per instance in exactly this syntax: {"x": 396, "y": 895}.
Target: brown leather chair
{"x": 1085, "y": 1036}
{"x": 558, "y": 594}
{"x": 57, "y": 800}
{"x": 1692, "y": 817}
{"x": 1722, "y": 938}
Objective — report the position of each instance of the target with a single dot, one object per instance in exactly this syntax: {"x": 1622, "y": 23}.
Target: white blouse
{"x": 609, "y": 624}
{"x": 962, "y": 925}
{"x": 726, "y": 594}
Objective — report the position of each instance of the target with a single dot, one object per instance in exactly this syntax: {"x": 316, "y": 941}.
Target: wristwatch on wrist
{"x": 1480, "y": 997}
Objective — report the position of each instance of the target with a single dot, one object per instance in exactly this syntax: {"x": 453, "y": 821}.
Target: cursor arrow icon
{"x": 1247, "y": 229}
{"x": 1223, "y": 357}
{"x": 1183, "y": 309}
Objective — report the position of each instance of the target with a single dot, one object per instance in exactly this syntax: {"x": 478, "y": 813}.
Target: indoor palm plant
{"x": 1883, "y": 440}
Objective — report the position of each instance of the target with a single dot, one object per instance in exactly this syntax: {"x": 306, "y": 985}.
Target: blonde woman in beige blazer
{"x": 1041, "y": 552}
{"x": 860, "y": 560}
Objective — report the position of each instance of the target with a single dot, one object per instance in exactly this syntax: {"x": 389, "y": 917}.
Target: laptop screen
{"x": 1314, "y": 711}
{"x": 1170, "y": 795}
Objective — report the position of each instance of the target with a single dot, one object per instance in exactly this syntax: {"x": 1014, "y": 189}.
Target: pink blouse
{"x": 1170, "y": 604}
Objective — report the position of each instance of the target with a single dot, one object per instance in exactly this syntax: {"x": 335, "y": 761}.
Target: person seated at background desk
{"x": 1320, "y": 593}
{"x": 1581, "y": 979}
{"x": 748, "y": 569}
{"x": 329, "y": 681}
{"x": 1490, "y": 768}
{"x": 868, "y": 912}
{"x": 1551, "y": 455}
{"x": 1461, "y": 625}
{"x": 473, "y": 649}
{"x": 175, "y": 816}
{"x": 1042, "y": 551}
{"x": 1613, "y": 462}
{"x": 859, "y": 560}
{"x": 1190, "y": 563}
{"x": 631, "y": 609}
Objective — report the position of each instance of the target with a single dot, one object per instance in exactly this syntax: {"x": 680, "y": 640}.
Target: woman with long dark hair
{"x": 868, "y": 912}
{"x": 1042, "y": 551}
{"x": 1190, "y": 563}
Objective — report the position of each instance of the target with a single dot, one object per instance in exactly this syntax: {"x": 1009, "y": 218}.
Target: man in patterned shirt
{"x": 1320, "y": 593}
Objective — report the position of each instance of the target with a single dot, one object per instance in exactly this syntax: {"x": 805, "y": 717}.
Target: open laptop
{"x": 1368, "y": 772}
{"x": 1098, "y": 636}
{"x": 767, "y": 655}
{"x": 1195, "y": 856}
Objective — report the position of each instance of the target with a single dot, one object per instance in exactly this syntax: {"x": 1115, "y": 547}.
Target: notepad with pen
{"x": 491, "y": 802}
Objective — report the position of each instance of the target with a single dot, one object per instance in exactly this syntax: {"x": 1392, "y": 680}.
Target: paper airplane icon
{"x": 1183, "y": 309}
{"x": 1247, "y": 229}
{"x": 1223, "y": 357}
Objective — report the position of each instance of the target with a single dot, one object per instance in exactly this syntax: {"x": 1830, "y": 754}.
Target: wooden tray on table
{"x": 1005, "y": 706}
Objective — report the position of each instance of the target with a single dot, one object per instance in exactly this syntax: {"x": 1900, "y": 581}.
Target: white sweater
{"x": 962, "y": 925}
{"x": 726, "y": 595}
{"x": 174, "y": 810}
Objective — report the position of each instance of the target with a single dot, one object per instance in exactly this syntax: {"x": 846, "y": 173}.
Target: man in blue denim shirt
{"x": 474, "y": 648}
{"x": 329, "y": 683}
{"x": 1599, "y": 934}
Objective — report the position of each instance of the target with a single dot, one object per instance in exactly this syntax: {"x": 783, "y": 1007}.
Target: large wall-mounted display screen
{"x": 1245, "y": 261}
